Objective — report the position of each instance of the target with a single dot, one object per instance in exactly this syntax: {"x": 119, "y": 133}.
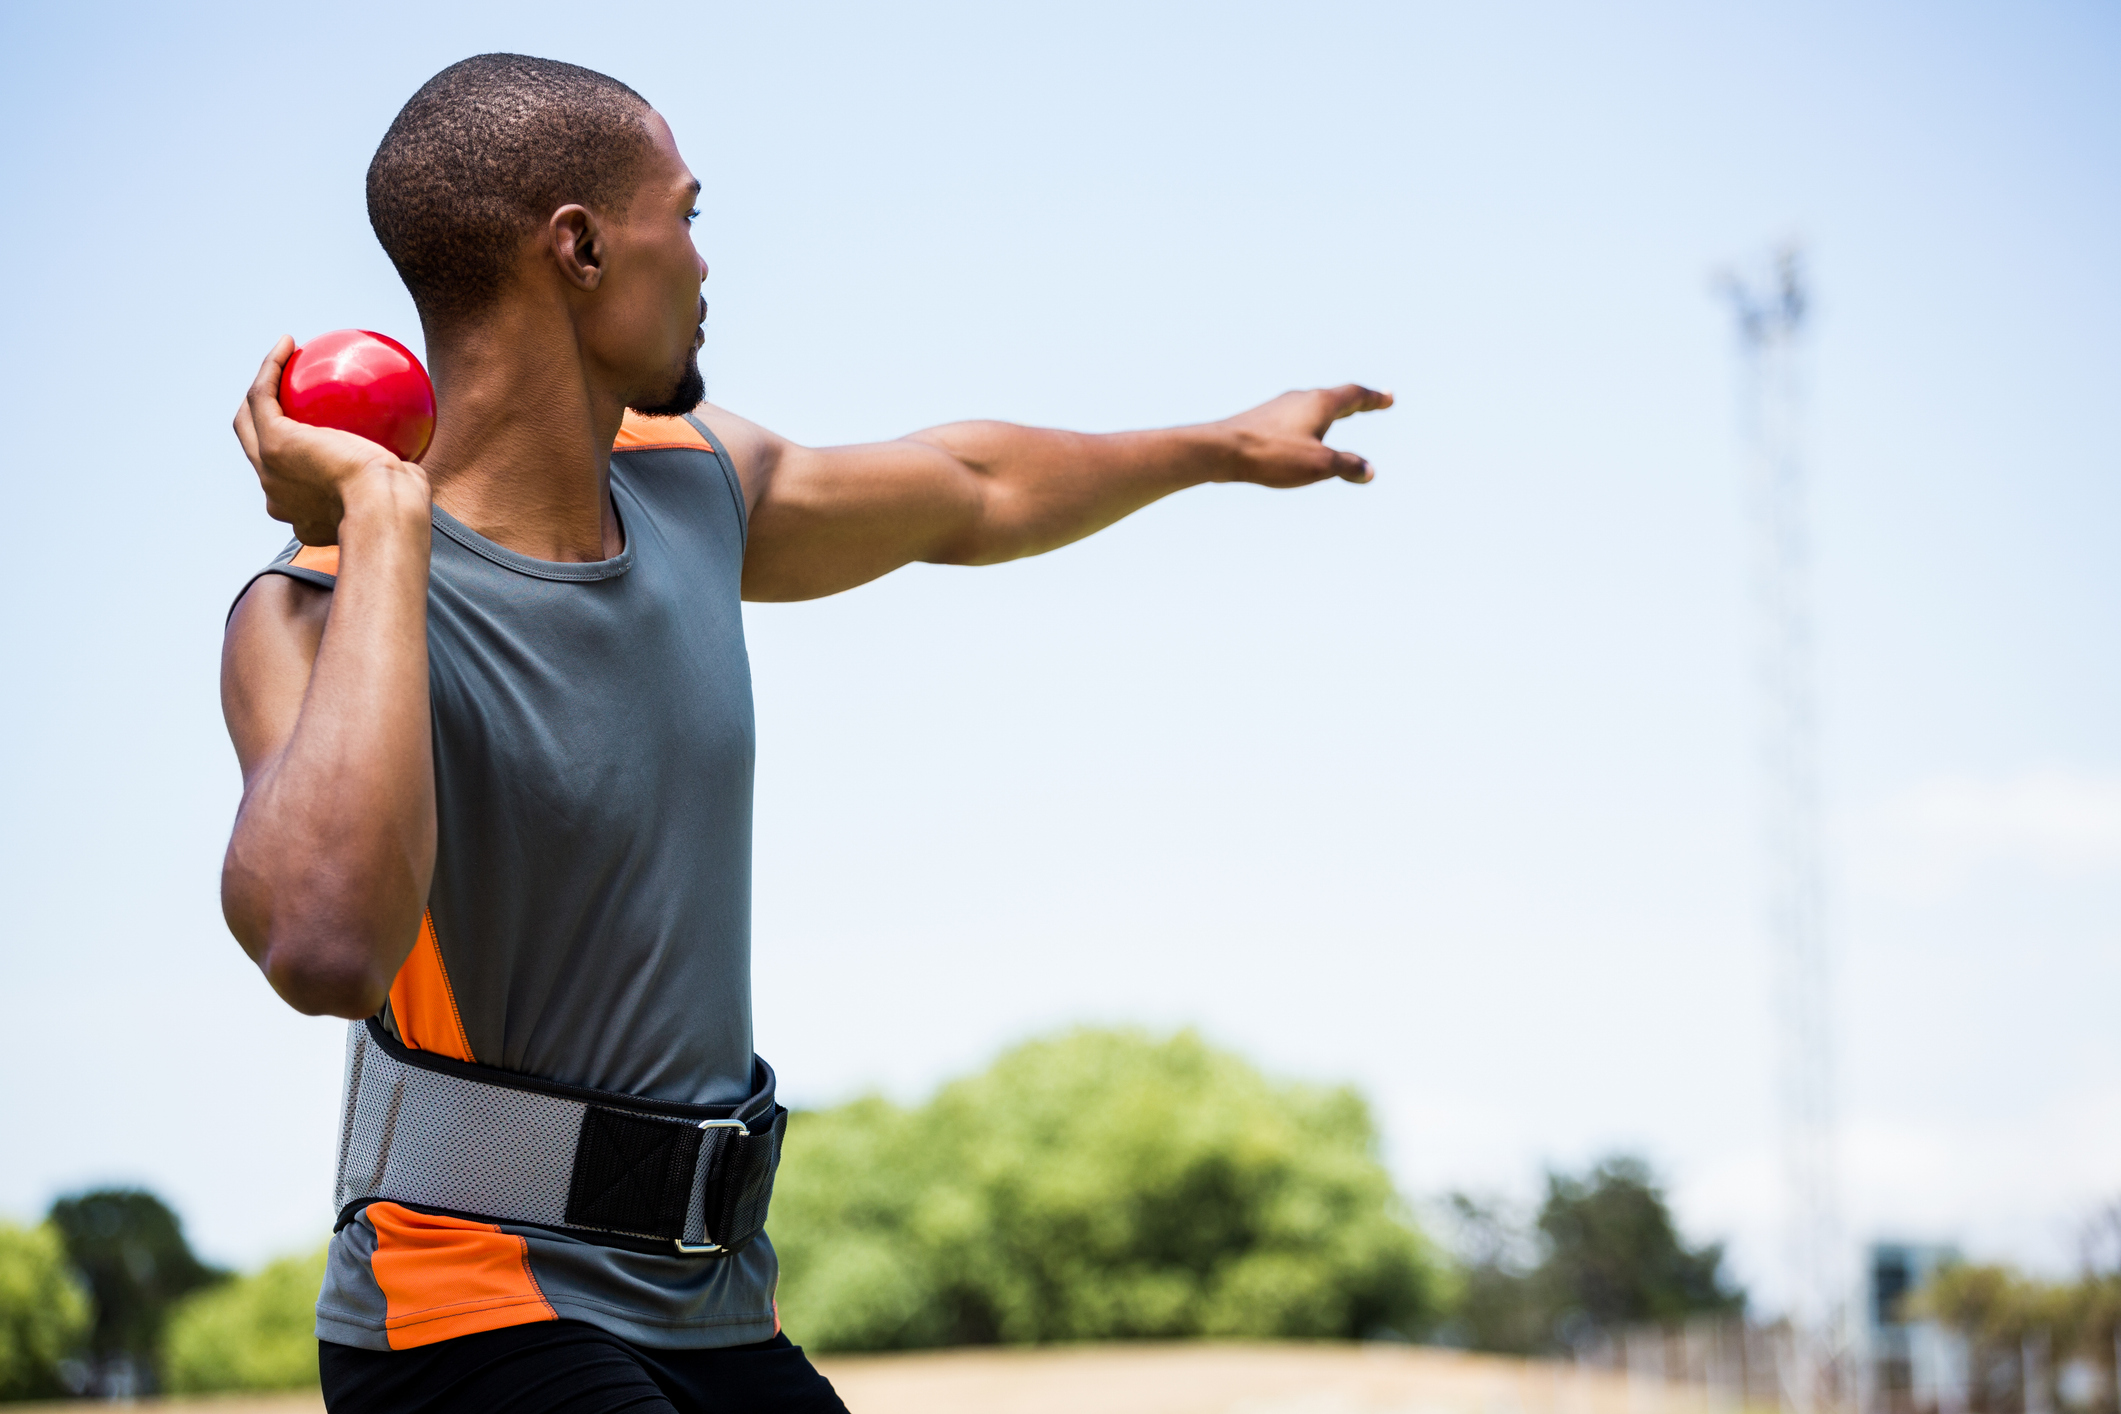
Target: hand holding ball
{"x": 365, "y": 384}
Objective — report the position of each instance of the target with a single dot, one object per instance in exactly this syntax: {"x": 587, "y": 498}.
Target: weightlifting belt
{"x": 474, "y": 1141}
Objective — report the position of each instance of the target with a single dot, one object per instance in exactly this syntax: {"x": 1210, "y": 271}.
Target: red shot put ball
{"x": 365, "y": 384}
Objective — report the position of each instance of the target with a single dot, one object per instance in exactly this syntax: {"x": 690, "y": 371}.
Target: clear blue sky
{"x": 1443, "y": 785}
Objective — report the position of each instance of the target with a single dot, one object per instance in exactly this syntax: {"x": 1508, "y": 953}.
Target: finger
{"x": 1351, "y": 398}
{"x": 247, "y": 434}
{"x": 264, "y": 396}
{"x": 1349, "y": 467}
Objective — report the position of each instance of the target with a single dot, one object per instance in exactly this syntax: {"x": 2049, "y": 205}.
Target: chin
{"x": 689, "y": 391}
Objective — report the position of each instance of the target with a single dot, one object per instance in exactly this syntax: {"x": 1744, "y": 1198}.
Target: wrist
{"x": 1225, "y": 452}
{"x": 387, "y": 490}
{"x": 385, "y": 497}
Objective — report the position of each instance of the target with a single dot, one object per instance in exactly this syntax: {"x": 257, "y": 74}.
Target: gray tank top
{"x": 590, "y": 919}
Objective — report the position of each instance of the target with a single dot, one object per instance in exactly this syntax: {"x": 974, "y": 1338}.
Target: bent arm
{"x": 977, "y": 493}
{"x": 326, "y": 699}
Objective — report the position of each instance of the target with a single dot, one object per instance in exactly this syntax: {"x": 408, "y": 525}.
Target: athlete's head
{"x": 507, "y": 177}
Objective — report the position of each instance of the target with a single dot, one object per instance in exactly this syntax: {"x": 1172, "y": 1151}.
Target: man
{"x": 494, "y": 718}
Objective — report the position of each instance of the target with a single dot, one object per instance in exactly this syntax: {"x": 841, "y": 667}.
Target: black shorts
{"x": 566, "y": 1367}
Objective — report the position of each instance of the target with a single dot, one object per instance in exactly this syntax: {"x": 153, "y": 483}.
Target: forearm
{"x": 1040, "y": 489}
{"x": 328, "y": 868}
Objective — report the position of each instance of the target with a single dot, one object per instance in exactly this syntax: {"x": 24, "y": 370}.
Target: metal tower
{"x": 1771, "y": 311}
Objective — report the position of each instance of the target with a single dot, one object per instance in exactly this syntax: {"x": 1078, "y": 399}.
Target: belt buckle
{"x": 708, "y": 1249}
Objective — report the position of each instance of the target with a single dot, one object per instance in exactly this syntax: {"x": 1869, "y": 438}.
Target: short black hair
{"x": 482, "y": 156}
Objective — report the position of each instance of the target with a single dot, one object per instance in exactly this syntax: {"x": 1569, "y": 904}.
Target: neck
{"x": 522, "y": 444}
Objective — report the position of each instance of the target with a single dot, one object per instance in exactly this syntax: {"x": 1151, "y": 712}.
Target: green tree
{"x": 1613, "y": 1253}
{"x": 1497, "y": 1303}
{"x": 1996, "y": 1308}
{"x": 1602, "y": 1253}
{"x": 255, "y": 1333}
{"x": 1097, "y": 1185}
{"x": 44, "y": 1313}
{"x": 130, "y": 1248}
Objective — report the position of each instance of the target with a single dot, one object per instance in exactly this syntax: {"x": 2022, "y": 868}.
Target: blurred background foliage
{"x": 2000, "y": 1306}
{"x": 1602, "y": 1253}
{"x": 255, "y": 1333}
{"x": 2000, "y": 1312}
{"x": 129, "y": 1249}
{"x": 44, "y": 1310}
{"x": 1097, "y": 1185}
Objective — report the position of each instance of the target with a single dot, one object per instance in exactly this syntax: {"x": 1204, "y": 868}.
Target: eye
{"x": 690, "y": 215}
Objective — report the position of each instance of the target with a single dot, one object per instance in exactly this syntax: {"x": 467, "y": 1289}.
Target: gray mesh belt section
{"x": 419, "y": 1136}
{"x": 696, "y": 1210}
{"x": 356, "y": 1052}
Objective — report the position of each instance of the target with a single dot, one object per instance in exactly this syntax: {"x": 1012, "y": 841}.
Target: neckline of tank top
{"x": 578, "y": 570}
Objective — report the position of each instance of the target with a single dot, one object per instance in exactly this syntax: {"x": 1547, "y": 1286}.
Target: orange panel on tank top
{"x": 423, "y": 1003}
{"x": 638, "y": 433}
{"x": 446, "y": 1277}
{"x": 324, "y": 559}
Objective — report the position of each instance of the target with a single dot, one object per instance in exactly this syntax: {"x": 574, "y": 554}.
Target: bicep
{"x": 828, "y": 519}
{"x": 267, "y": 654}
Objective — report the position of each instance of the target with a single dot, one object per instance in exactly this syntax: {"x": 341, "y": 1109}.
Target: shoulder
{"x": 295, "y": 589}
{"x": 753, "y": 451}
{"x": 748, "y": 452}
{"x": 282, "y": 607}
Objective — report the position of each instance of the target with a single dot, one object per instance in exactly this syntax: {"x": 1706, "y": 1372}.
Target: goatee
{"x": 690, "y": 392}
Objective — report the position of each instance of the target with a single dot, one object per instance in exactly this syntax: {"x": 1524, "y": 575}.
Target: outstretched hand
{"x": 307, "y": 472}
{"x": 1282, "y": 443}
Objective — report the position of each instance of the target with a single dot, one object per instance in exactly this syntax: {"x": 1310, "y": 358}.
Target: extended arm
{"x": 326, "y": 699}
{"x": 976, "y": 493}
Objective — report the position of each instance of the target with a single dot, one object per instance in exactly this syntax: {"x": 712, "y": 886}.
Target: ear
{"x": 576, "y": 240}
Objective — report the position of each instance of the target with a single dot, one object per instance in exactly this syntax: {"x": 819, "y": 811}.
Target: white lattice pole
{"x": 1772, "y": 325}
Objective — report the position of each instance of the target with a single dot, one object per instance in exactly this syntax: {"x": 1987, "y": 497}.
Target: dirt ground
{"x": 1182, "y": 1379}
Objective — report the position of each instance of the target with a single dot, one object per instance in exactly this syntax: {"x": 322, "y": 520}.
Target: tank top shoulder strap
{"x": 316, "y": 565}
{"x": 687, "y": 433}
{"x": 729, "y": 476}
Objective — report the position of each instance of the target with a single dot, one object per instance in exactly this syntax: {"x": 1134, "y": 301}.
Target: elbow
{"x": 325, "y": 976}
{"x": 318, "y": 969}
{"x": 321, "y": 949}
